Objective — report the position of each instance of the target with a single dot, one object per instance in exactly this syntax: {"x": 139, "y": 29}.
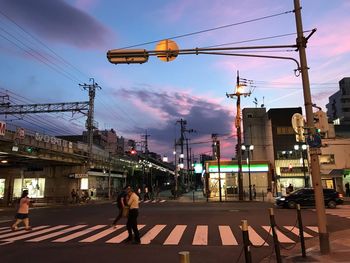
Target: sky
{"x": 48, "y": 48}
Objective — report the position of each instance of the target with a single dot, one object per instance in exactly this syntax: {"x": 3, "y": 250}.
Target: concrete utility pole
{"x": 216, "y": 144}
{"x": 301, "y": 42}
{"x": 90, "y": 120}
{"x": 238, "y": 94}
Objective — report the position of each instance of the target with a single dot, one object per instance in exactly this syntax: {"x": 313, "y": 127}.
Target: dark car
{"x": 306, "y": 197}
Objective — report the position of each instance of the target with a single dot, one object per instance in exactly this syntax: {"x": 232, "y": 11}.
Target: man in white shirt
{"x": 131, "y": 224}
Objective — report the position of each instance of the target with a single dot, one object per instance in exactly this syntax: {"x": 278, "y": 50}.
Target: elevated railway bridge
{"x": 50, "y": 168}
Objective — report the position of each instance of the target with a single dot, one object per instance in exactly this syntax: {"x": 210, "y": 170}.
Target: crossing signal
{"x": 133, "y": 151}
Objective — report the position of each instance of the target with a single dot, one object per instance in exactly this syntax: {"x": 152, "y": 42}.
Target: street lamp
{"x": 249, "y": 148}
{"x": 303, "y": 149}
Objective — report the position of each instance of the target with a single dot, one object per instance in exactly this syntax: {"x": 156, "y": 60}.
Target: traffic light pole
{"x": 315, "y": 165}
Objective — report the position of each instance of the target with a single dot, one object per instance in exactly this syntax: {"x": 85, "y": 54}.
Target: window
{"x": 35, "y": 187}
{"x": 285, "y": 130}
{"x": 327, "y": 159}
{"x": 2, "y": 188}
{"x": 84, "y": 183}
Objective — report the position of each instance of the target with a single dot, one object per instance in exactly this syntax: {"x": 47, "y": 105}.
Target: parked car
{"x": 306, "y": 197}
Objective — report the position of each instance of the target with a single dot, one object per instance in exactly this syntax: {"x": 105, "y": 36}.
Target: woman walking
{"x": 23, "y": 211}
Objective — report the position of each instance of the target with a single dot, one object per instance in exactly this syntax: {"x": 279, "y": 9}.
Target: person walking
{"x": 254, "y": 192}
{"x": 22, "y": 212}
{"x": 121, "y": 203}
{"x": 73, "y": 195}
{"x": 131, "y": 224}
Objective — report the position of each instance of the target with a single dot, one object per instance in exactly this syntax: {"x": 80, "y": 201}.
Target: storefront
{"x": 257, "y": 171}
{"x": 35, "y": 187}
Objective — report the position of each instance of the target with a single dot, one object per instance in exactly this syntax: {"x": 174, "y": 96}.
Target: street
{"x": 209, "y": 231}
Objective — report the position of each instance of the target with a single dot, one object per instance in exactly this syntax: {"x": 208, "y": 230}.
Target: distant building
{"x": 338, "y": 107}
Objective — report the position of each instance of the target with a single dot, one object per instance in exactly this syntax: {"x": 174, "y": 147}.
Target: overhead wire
{"x": 211, "y": 29}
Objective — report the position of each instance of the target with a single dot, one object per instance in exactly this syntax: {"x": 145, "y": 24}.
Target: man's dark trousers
{"x": 131, "y": 225}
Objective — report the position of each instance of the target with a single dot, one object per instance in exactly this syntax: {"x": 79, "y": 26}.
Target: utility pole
{"x": 216, "y": 144}
{"x": 144, "y": 138}
{"x": 238, "y": 93}
{"x": 301, "y": 42}
{"x": 90, "y": 120}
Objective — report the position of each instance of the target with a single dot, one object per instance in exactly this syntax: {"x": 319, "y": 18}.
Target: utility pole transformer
{"x": 90, "y": 120}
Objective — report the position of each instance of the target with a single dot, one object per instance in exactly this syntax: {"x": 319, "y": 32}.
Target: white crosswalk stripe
{"x": 341, "y": 211}
{"x": 55, "y": 234}
{"x": 227, "y": 237}
{"x": 175, "y": 235}
{"x": 35, "y": 233}
{"x": 258, "y": 235}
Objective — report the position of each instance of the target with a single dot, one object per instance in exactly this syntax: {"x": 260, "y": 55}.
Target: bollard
{"x": 274, "y": 235}
{"x": 301, "y": 232}
{"x": 184, "y": 256}
{"x": 246, "y": 242}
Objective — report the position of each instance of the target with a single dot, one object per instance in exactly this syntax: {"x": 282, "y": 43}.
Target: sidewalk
{"x": 339, "y": 247}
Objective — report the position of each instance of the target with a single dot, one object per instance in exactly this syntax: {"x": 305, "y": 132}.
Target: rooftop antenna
{"x": 263, "y": 105}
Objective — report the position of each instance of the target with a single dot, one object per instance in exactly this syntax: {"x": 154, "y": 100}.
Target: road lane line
{"x": 296, "y": 231}
{"x": 55, "y": 234}
{"x": 254, "y": 237}
{"x": 281, "y": 237}
{"x": 102, "y": 234}
{"x": 227, "y": 237}
{"x": 36, "y": 233}
{"x": 121, "y": 237}
{"x": 313, "y": 228}
{"x": 151, "y": 234}
{"x": 18, "y": 232}
{"x": 200, "y": 236}
{"x": 175, "y": 235}
{"x": 78, "y": 234}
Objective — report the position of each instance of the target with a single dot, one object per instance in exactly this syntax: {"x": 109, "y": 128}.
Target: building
{"x": 338, "y": 107}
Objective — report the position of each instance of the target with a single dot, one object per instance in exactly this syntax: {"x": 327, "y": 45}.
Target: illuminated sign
{"x": 78, "y": 176}
{"x": 233, "y": 168}
{"x": 198, "y": 168}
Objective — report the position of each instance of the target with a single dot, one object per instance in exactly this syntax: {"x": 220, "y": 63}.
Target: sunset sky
{"x": 48, "y": 48}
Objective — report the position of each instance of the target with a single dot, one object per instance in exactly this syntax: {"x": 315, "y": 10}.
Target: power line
{"x": 43, "y": 44}
{"x": 212, "y": 29}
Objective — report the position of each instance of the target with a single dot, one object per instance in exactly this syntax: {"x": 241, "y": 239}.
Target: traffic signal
{"x": 133, "y": 151}
{"x": 29, "y": 149}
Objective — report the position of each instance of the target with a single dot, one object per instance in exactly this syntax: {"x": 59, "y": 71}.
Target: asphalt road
{"x": 209, "y": 231}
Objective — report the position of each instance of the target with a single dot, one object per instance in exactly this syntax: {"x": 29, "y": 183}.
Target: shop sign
{"x": 2, "y": 128}
{"x": 78, "y": 176}
{"x": 53, "y": 140}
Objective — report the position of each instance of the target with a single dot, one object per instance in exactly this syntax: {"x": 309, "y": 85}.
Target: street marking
{"x": 37, "y": 233}
{"x": 102, "y": 234}
{"x": 6, "y": 220}
{"x": 175, "y": 235}
{"x": 55, "y": 234}
{"x": 201, "y": 236}
{"x": 154, "y": 201}
{"x": 227, "y": 237}
{"x": 162, "y": 201}
{"x": 296, "y": 231}
{"x": 313, "y": 228}
{"x": 4, "y": 227}
{"x": 151, "y": 234}
{"x": 18, "y": 232}
{"x": 254, "y": 238}
{"x": 121, "y": 237}
{"x": 6, "y": 230}
{"x": 281, "y": 237}
{"x": 78, "y": 234}
{"x": 147, "y": 201}
{"x": 6, "y": 243}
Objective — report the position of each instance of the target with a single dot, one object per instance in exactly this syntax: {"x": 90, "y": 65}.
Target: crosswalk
{"x": 341, "y": 211}
{"x": 167, "y": 235}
